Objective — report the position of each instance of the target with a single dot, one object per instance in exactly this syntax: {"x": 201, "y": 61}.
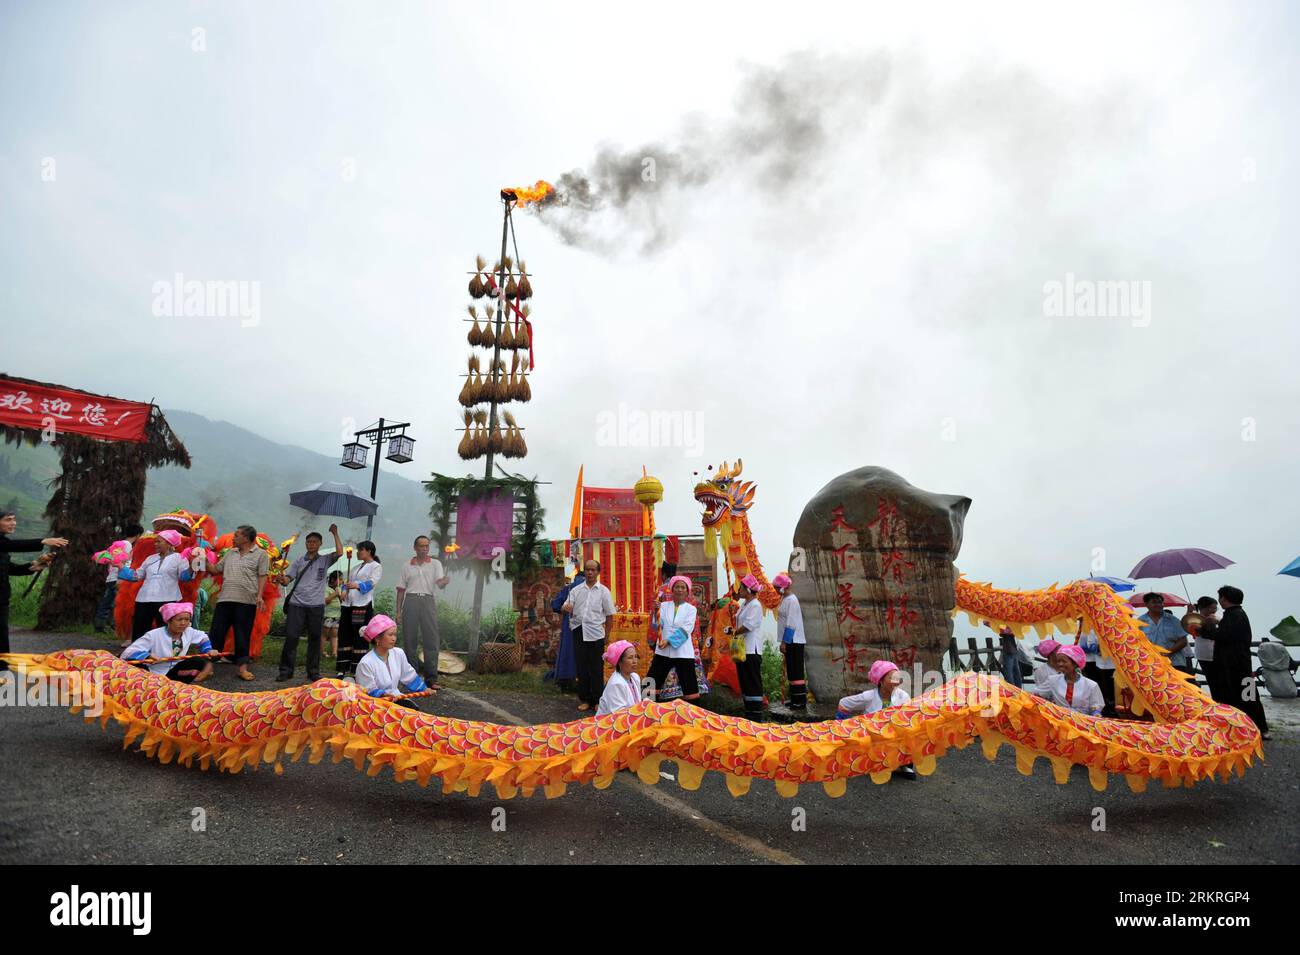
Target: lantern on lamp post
{"x": 400, "y": 449}
{"x": 354, "y": 455}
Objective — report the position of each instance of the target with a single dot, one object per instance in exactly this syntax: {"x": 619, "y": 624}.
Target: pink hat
{"x": 379, "y": 624}
{"x": 1075, "y": 653}
{"x": 879, "y": 669}
{"x": 682, "y": 578}
{"x": 616, "y": 650}
{"x": 750, "y": 581}
{"x": 170, "y": 536}
{"x": 781, "y": 581}
{"x": 1048, "y": 647}
{"x": 167, "y": 611}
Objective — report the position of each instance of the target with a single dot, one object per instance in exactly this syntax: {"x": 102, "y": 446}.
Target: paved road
{"x": 70, "y": 794}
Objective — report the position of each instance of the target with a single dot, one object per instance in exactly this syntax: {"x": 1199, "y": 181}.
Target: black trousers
{"x": 296, "y": 618}
{"x": 794, "y": 674}
{"x": 106, "y": 601}
{"x": 4, "y": 634}
{"x": 352, "y": 645}
{"x": 750, "y": 673}
{"x": 145, "y": 618}
{"x": 1236, "y": 690}
{"x": 661, "y": 666}
{"x": 186, "y": 670}
{"x": 1213, "y": 671}
{"x": 590, "y": 658}
{"x": 240, "y": 617}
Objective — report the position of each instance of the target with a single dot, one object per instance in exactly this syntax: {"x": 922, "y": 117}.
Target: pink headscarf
{"x": 879, "y": 669}
{"x": 781, "y": 581}
{"x": 750, "y": 581}
{"x": 167, "y": 611}
{"x": 172, "y": 537}
{"x": 680, "y": 578}
{"x": 379, "y": 624}
{"x": 1075, "y": 653}
{"x": 1048, "y": 647}
{"x": 616, "y": 651}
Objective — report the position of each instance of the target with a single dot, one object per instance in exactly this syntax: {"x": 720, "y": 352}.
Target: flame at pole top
{"x": 526, "y": 195}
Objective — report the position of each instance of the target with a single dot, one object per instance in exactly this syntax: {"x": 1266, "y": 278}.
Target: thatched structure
{"x": 99, "y": 490}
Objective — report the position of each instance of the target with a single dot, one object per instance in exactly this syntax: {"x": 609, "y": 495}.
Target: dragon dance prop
{"x": 1192, "y": 738}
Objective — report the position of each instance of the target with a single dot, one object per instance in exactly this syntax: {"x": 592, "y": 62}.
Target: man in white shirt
{"x": 591, "y": 612}
{"x": 416, "y": 612}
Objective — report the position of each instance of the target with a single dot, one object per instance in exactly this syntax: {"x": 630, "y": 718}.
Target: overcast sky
{"x": 841, "y": 258}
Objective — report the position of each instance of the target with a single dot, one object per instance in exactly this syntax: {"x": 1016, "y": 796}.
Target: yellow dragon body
{"x": 1191, "y": 738}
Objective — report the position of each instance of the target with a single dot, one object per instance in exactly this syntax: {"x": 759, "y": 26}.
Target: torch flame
{"x": 530, "y": 194}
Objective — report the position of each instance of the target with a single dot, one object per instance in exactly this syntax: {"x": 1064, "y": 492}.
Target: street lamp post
{"x": 400, "y": 447}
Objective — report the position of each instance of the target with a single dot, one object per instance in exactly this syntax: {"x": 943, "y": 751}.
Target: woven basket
{"x": 500, "y": 658}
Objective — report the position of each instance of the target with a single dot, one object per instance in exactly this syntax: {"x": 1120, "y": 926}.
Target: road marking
{"x": 656, "y": 795}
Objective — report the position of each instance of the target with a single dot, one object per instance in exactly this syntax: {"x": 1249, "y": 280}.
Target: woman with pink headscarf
{"x": 385, "y": 670}
{"x": 674, "y": 648}
{"x": 749, "y": 625}
{"x": 789, "y": 624}
{"x": 886, "y": 692}
{"x": 175, "y": 638}
{"x": 624, "y": 686}
{"x": 161, "y": 574}
{"x": 1061, "y": 679}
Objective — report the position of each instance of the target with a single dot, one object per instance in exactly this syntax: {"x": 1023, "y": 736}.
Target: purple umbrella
{"x": 1179, "y": 561}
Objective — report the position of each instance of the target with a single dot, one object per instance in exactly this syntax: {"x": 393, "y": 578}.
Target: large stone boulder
{"x": 873, "y": 571}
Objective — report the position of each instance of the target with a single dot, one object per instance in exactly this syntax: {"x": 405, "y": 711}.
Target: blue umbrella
{"x": 329, "y": 498}
{"x": 1292, "y": 569}
{"x": 1117, "y": 584}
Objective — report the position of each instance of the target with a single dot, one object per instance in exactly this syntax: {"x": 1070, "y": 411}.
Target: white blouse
{"x": 387, "y": 675}
{"x": 750, "y": 619}
{"x": 789, "y": 616}
{"x": 620, "y": 693}
{"x": 162, "y": 578}
{"x": 1051, "y": 685}
{"x": 157, "y": 644}
{"x": 672, "y": 616}
{"x": 868, "y": 701}
{"x": 371, "y": 570}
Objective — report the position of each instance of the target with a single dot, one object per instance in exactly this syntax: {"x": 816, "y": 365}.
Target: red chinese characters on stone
{"x": 855, "y": 657}
{"x": 898, "y": 617}
{"x": 846, "y": 604}
{"x": 905, "y": 657}
{"x": 838, "y": 521}
{"x": 842, "y": 552}
{"x": 894, "y": 565}
{"x": 886, "y": 518}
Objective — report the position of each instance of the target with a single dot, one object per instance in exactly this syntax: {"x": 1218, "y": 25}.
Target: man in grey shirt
{"x": 243, "y": 569}
{"x": 304, "y": 606}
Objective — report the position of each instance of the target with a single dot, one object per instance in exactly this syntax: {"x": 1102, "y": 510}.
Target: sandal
{"x": 245, "y": 675}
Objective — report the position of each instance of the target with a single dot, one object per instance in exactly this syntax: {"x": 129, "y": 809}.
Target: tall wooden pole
{"x": 476, "y": 615}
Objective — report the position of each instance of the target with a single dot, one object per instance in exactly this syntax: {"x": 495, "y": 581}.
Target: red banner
{"x": 610, "y": 512}
{"x": 45, "y": 407}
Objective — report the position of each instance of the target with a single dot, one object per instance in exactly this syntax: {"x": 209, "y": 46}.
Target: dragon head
{"x": 724, "y": 494}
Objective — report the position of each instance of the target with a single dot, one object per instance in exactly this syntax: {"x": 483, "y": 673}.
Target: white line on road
{"x": 655, "y": 795}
